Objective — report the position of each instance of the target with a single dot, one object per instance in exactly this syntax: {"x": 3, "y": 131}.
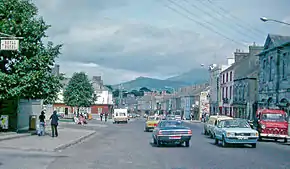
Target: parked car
{"x": 177, "y": 117}
{"x": 212, "y": 122}
{"x": 235, "y": 131}
{"x": 171, "y": 131}
{"x": 151, "y": 123}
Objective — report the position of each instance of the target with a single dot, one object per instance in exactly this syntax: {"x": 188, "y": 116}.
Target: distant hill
{"x": 194, "y": 76}
{"x": 150, "y": 83}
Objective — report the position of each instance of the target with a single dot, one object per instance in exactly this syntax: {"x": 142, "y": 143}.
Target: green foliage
{"x": 144, "y": 89}
{"x": 79, "y": 91}
{"x": 116, "y": 93}
{"x": 26, "y": 73}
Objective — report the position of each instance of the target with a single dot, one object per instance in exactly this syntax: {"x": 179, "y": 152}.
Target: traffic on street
{"x": 128, "y": 146}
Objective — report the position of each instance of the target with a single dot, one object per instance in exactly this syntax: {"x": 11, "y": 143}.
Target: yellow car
{"x": 151, "y": 123}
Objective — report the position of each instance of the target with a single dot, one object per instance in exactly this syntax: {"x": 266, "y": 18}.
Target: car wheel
{"x": 254, "y": 145}
{"x": 224, "y": 143}
{"x": 158, "y": 143}
{"x": 216, "y": 141}
{"x": 154, "y": 141}
{"x": 187, "y": 143}
{"x": 285, "y": 140}
{"x": 211, "y": 135}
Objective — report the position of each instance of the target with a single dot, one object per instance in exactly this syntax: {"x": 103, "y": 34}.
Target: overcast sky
{"x": 125, "y": 39}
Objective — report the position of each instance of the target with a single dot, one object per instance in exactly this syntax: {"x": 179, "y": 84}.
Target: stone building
{"x": 245, "y": 92}
{"x": 274, "y": 73}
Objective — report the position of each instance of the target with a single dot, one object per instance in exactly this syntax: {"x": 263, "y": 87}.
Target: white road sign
{"x": 9, "y": 44}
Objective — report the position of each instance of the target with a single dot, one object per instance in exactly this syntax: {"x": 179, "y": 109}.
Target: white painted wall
{"x": 104, "y": 97}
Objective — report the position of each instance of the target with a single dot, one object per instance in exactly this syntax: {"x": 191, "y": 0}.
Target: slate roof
{"x": 276, "y": 40}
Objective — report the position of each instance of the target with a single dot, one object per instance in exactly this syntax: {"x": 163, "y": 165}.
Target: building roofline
{"x": 273, "y": 48}
{"x": 245, "y": 78}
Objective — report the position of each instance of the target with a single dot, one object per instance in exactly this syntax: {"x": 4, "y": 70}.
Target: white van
{"x": 120, "y": 115}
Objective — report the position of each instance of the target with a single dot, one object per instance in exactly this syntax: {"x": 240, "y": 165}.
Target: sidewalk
{"x": 67, "y": 137}
{"x": 12, "y": 135}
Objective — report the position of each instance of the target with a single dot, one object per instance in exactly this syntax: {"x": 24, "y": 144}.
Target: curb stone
{"x": 15, "y": 137}
{"x": 76, "y": 141}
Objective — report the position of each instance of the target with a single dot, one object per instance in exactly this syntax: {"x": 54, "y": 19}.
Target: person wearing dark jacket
{"x": 42, "y": 124}
{"x": 54, "y": 124}
{"x": 106, "y": 116}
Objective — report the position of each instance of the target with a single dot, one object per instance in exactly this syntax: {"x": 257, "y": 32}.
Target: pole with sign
{"x": 9, "y": 43}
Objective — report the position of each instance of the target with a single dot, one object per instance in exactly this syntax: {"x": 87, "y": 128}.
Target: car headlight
{"x": 255, "y": 134}
{"x": 263, "y": 126}
{"x": 230, "y": 134}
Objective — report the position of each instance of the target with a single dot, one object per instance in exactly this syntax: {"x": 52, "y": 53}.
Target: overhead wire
{"x": 235, "y": 18}
{"x": 226, "y": 23}
{"x": 200, "y": 23}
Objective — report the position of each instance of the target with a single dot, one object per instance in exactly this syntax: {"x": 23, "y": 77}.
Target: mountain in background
{"x": 194, "y": 76}
{"x": 150, "y": 83}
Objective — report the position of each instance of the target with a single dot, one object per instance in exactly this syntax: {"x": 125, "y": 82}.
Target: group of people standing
{"x": 104, "y": 114}
{"x": 53, "y": 122}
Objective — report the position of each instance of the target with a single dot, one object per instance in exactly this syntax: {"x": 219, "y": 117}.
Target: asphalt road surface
{"x": 127, "y": 146}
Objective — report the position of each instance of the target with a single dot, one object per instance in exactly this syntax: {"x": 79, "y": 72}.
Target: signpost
{"x": 9, "y": 42}
{"x": 11, "y": 45}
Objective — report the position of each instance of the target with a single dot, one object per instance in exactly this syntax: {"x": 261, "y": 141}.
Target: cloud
{"x": 122, "y": 40}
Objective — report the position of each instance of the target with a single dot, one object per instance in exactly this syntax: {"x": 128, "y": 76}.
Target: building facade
{"x": 245, "y": 90}
{"x": 274, "y": 73}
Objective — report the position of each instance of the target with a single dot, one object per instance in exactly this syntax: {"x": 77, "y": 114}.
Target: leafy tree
{"x": 116, "y": 93}
{"x": 79, "y": 91}
{"x": 26, "y": 73}
{"x": 144, "y": 89}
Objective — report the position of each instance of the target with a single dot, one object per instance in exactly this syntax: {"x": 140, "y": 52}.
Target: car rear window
{"x": 171, "y": 124}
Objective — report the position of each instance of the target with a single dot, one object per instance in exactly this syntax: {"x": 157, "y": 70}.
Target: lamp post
{"x": 264, "y": 19}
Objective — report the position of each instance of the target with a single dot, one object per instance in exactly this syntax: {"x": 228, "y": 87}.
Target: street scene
{"x": 169, "y": 84}
{"x": 128, "y": 146}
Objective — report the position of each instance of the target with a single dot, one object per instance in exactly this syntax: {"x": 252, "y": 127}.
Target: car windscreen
{"x": 122, "y": 114}
{"x": 274, "y": 117}
{"x": 151, "y": 118}
{"x": 236, "y": 124}
{"x": 171, "y": 124}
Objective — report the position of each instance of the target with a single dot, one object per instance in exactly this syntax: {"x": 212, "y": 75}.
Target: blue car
{"x": 235, "y": 131}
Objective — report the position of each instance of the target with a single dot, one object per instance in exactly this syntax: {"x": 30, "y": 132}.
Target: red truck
{"x": 272, "y": 124}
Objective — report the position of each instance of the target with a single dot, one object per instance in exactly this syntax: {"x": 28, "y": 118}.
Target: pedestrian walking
{"x": 192, "y": 116}
{"x": 106, "y": 116}
{"x": 41, "y": 124}
{"x": 101, "y": 115}
{"x": 54, "y": 124}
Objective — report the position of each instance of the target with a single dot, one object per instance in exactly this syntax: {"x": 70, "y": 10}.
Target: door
{"x": 66, "y": 111}
{"x": 218, "y": 129}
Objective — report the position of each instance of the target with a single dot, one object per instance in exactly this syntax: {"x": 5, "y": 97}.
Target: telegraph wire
{"x": 234, "y": 18}
{"x": 220, "y": 20}
{"x": 200, "y": 23}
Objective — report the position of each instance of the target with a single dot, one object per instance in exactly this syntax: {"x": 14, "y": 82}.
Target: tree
{"x": 144, "y": 89}
{"x": 109, "y": 87}
{"x": 26, "y": 73}
{"x": 116, "y": 93}
{"x": 79, "y": 91}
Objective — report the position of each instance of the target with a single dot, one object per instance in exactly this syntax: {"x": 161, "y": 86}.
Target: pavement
{"x": 66, "y": 138}
{"x": 127, "y": 146}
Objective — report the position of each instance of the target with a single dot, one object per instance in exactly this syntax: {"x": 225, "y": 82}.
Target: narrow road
{"x": 127, "y": 146}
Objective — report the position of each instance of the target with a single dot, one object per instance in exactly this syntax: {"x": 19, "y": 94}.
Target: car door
{"x": 218, "y": 129}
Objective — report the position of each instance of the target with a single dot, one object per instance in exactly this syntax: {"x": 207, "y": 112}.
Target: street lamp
{"x": 264, "y": 19}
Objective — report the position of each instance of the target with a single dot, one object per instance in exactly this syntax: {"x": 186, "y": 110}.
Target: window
{"x": 271, "y": 67}
{"x": 223, "y": 78}
{"x": 264, "y": 71}
{"x": 284, "y": 66}
{"x": 230, "y": 92}
{"x": 226, "y": 92}
{"x": 231, "y": 76}
{"x": 223, "y": 92}
{"x": 227, "y": 77}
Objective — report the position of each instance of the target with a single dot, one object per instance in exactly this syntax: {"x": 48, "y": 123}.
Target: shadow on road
{"x": 167, "y": 145}
{"x": 232, "y": 145}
